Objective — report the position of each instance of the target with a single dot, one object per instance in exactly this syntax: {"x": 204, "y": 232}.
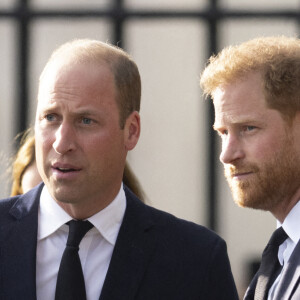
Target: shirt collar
{"x": 291, "y": 223}
{"x": 107, "y": 221}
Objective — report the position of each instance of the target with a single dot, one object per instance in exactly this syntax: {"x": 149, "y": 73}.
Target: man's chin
{"x": 241, "y": 198}
{"x": 63, "y": 195}
{"x": 246, "y": 202}
{"x": 242, "y": 201}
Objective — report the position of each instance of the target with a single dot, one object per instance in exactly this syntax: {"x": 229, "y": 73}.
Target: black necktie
{"x": 70, "y": 281}
{"x": 270, "y": 267}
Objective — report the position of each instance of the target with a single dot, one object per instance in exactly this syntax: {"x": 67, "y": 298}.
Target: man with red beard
{"x": 255, "y": 89}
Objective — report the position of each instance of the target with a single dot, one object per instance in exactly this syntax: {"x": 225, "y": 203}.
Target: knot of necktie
{"x": 278, "y": 237}
{"x": 77, "y": 230}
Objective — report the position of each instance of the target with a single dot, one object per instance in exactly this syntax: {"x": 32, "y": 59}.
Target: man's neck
{"x": 283, "y": 208}
{"x": 84, "y": 210}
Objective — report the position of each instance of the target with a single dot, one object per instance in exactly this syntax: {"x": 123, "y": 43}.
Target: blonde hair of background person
{"x": 25, "y": 175}
{"x": 24, "y": 171}
{"x": 255, "y": 87}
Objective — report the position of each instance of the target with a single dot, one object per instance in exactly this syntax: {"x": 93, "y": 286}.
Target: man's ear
{"x": 132, "y": 130}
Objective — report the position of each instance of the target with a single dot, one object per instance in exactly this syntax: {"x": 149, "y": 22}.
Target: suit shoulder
{"x": 182, "y": 227}
{"x": 168, "y": 226}
{"x": 7, "y": 203}
{"x": 20, "y": 205}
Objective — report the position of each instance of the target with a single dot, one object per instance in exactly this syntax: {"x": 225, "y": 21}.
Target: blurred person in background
{"x": 25, "y": 175}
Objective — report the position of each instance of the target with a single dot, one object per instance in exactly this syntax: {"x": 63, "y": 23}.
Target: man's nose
{"x": 232, "y": 149}
{"x": 64, "y": 139}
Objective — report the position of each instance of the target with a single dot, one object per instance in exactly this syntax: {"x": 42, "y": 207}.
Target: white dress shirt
{"x": 95, "y": 248}
{"x": 291, "y": 226}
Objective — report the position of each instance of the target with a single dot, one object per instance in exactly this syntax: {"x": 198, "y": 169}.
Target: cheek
{"x": 39, "y": 156}
{"x": 43, "y": 136}
{"x": 42, "y": 150}
{"x": 104, "y": 148}
{"x": 96, "y": 148}
{"x": 105, "y": 141}
{"x": 43, "y": 143}
{"x": 265, "y": 147}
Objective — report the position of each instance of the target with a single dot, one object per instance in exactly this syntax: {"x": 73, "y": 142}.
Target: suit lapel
{"x": 18, "y": 239}
{"x": 134, "y": 246}
{"x": 290, "y": 277}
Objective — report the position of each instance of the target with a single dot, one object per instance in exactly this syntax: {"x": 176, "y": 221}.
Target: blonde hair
{"x": 277, "y": 59}
{"x": 124, "y": 69}
{"x": 23, "y": 159}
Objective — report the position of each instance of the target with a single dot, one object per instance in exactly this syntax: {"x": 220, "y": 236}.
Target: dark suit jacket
{"x": 289, "y": 284}
{"x": 156, "y": 255}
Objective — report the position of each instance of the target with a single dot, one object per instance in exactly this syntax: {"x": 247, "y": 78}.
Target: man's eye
{"x": 249, "y": 128}
{"x": 86, "y": 121}
{"x": 50, "y": 117}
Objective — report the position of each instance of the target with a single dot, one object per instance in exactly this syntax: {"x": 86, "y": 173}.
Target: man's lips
{"x": 236, "y": 173}
{"x": 240, "y": 175}
{"x": 65, "y": 168}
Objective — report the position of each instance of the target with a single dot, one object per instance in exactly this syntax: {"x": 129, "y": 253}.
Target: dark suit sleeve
{"x": 219, "y": 278}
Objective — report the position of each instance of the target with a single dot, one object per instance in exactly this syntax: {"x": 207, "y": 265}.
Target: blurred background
{"x": 176, "y": 159}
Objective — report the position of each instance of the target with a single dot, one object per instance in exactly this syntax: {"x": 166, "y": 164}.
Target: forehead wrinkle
{"x": 58, "y": 98}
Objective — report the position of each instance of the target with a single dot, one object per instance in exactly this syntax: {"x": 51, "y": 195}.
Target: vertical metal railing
{"x": 22, "y": 42}
{"x": 212, "y": 178}
{"x": 118, "y": 28}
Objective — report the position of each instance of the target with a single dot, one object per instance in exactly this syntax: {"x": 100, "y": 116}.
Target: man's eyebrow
{"x": 87, "y": 112}
{"x": 47, "y": 109}
{"x": 84, "y": 112}
{"x": 237, "y": 122}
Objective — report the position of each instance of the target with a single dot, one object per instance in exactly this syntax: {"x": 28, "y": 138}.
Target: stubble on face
{"x": 274, "y": 181}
